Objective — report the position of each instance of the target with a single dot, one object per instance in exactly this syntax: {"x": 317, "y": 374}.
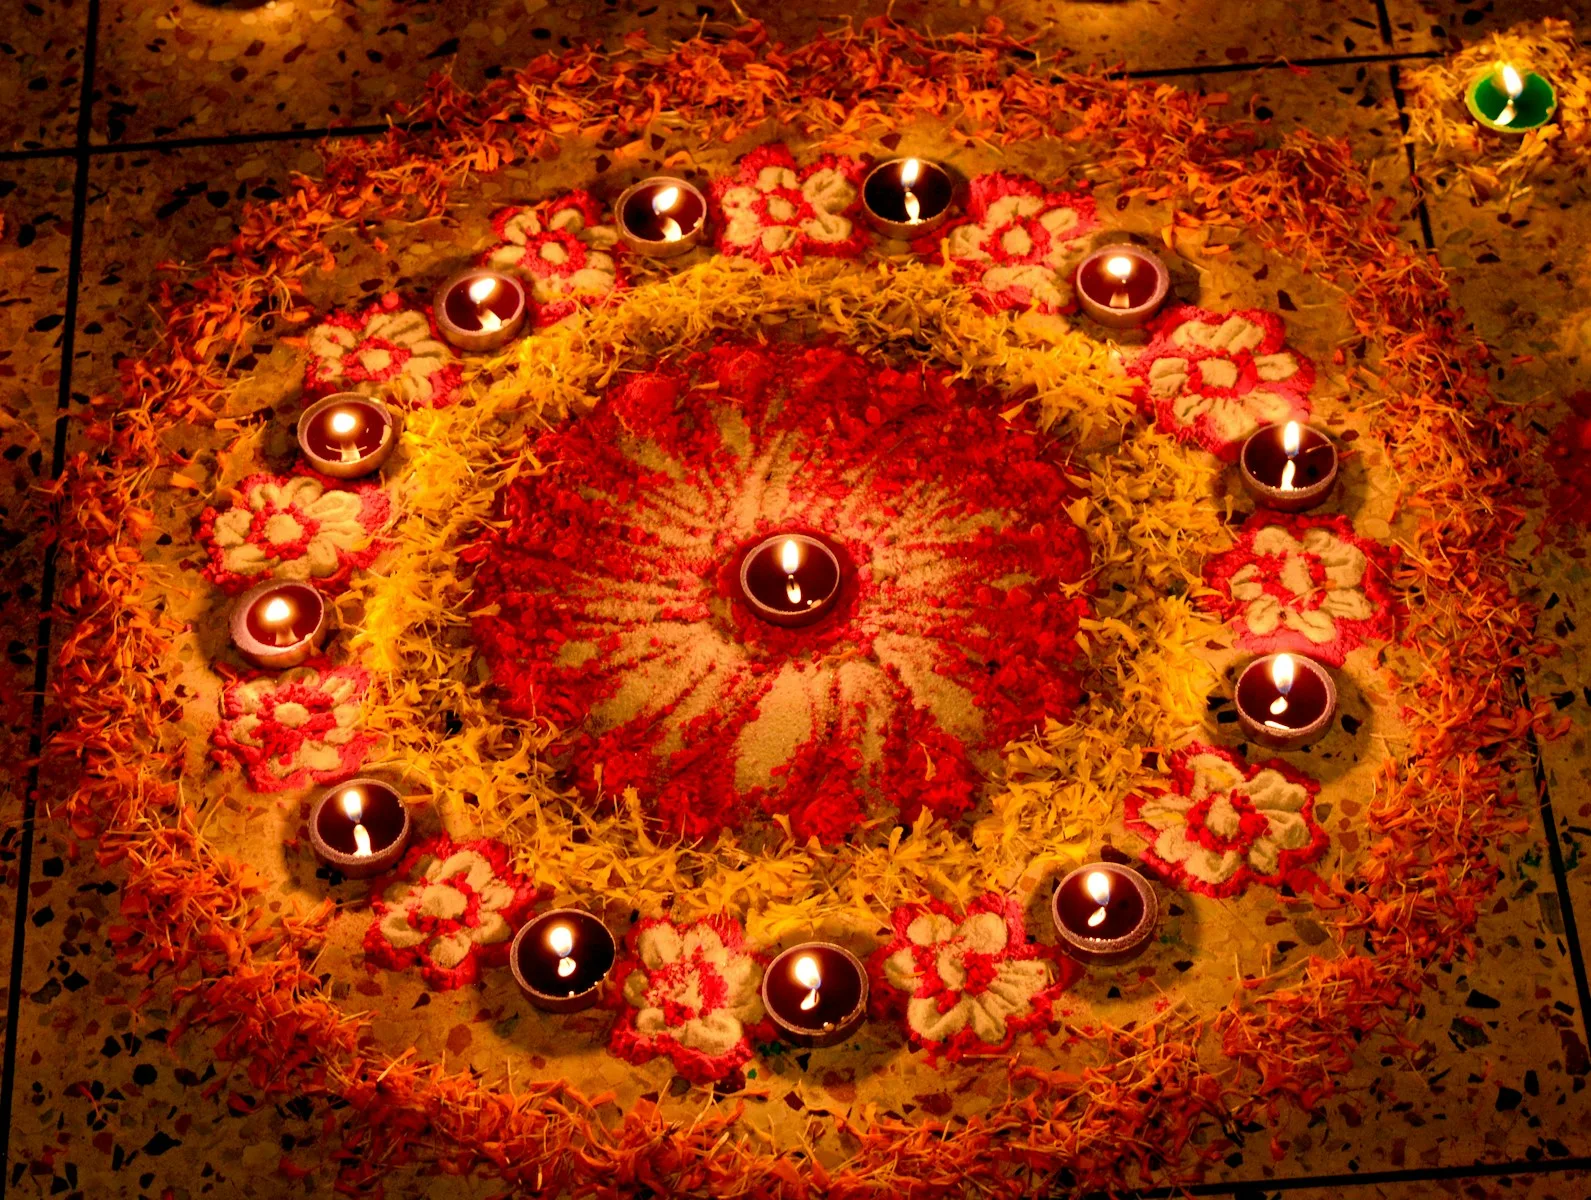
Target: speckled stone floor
{"x": 131, "y": 133}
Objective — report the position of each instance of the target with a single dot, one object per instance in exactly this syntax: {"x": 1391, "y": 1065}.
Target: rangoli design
{"x": 383, "y": 345}
{"x": 1019, "y": 242}
{"x": 565, "y": 251}
{"x": 450, "y": 910}
{"x": 691, "y": 993}
{"x": 1307, "y": 584}
{"x": 967, "y": 982}
{"x": 301, "y": 727}
{"x": 610, "y": 592}
{"x": 293, "y": 527}
{"x": 1223, "y": 824}
{"x": 1214, "y": 378}
{"x": 771, "y": 209}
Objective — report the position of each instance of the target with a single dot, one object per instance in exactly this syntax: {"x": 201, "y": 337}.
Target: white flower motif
{"x": 1002, "y": 238}
{"x": 295, "y": 525}
{"x": 1226, "y": 822}
{"x": 566, "y": 258}
{"x": 766, "y": 214}
{"x": 694, "y": 988}
{"x": 1314, "y": 606}
{"x": 295, "y": 726}
{"x": 986, "y": 999}
{"x": 395, "y": 347}
{"x": 435, "y": 897}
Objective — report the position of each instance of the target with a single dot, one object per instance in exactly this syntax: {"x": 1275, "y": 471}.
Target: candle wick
{"x": 810, "y": 1001}
{"x": 566, "y": 967}
{"x": 792, "y": 589}
{"x": 361, "y": 842}
{"x": 1289, "y": 469}
{"x": 914, "y": 210}
{"x": 1097, "y": 919}
{"x": 1120, "y": 300}
{"x": 349, "y": 452}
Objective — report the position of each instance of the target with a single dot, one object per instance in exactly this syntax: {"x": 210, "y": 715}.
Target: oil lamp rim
{"x": 263, "y": 654}
{"x": 354, "y": 865}
{"x": 840, "y": 1027}
{"x": 549, "y": 999}
{"x": 779, "y": 615}
{"x": 1115, "y": 945}
{"x": 364, "y": 465}
{"x": 1294, "y": 499}
{"x": 684, "y": 185}
{"x": 1279, "y": 738}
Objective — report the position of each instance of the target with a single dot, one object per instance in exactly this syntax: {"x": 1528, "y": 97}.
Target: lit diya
{"x": 480, "y": 309}
{"x": 278, "y": 624}
{"x": 661, "y": 217}
{"x": 815, "y": 994}
{"x": 790, "y": 578}
{"x": 1285, "y": 700}
{"x": 360, "y": 827}
{"x": 907, "y": 197}
{"x": 1121, "y": 286}
{"x": 347, "y": 435}
{"x": 1288, "y": 467}
{"x": 562, "y": 959}
{"x": 1104, "y": 912}
{"x": 1505, "y": 101}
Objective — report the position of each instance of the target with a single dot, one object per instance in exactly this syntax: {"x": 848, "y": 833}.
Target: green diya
{"x": 1509, "y": 102}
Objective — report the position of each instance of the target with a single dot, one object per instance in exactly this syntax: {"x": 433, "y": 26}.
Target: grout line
{"x": 41, "y": 647}
{"x": 1384, "y": 20}
{"x": 1277, "y": 64}
{"x": 1361, "y": 1179}
{"x": 1421, "y": 211}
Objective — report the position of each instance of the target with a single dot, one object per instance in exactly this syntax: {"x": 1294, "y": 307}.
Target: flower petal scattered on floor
{"x": 297, "y": 728}
{"x": 565, "y": 251}
{"x": 1019, "y": 243}
{"x": 1224, "y": 823}
{"x": 967, "y": 983}
{"x": 609, "y": 603}
{"x": 1307, "y": 584}
{"x": 771, "y": 209}
{"x": 1214, "y": 378}
{"x": 303, "y": 527}
{"x": 692, "y": 993}
{"x": 449, "y": 909}
{"x": 383, "y": 345}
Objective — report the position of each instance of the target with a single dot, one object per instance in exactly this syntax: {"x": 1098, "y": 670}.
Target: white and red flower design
{"x": 1224, "y": 823}
{"x": 301, "y": 527}
{"x": 1214, "y": 378}
{"x": 563, "y": 249}
{"x": 385, "y": 344}
{"x": 968, "y": 983}
{"x": 1019, "y": 242}
{"x": 771, "y": 209}
{"x": 450, "y": 910}
{"x": 1304, "y": 584}
{"x": 609, "y": 608}
{"x": 301, "y": 727}
{"x": 692, "y": 993}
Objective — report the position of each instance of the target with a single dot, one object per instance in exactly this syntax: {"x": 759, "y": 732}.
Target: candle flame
{"x": 1291, "y": 438}
{"x": 914, "y": 210}
{"x": 909, "y": 172}
{"x": 353, "y": 804}
{"x": 482, "y": 289}
{"x": 665, "y": 200}
{"x": 1119, "y": 266}
{"x": 1283, "y": 672}
{"x": 561, "y": 940}
{"x": 1098, "y": 885}
{"x": 790, "y": 556}
{"x": 1512, "y": 83}
{"x": 343, "y": 422}
{"x": 277, "y": 611}
{"x": 361, "y": 842}
{"x": 810, "y": 977}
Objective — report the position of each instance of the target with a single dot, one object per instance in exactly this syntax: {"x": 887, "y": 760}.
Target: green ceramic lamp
{"x": 1507, "y": 101}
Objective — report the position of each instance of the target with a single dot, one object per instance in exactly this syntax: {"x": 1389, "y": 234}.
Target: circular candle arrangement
{"x": 1104, "y": 912}
{"x": 790, "y": 579}
{"x": 562, "y": 958}
{"x": 1506, "y": 101}
{"x": 1285, "y": 700}
{"x": 661, "y": 216}
{"x": 815, "y": 994}
{"x": 480, "y": 309}
{"x": 347, "y": 435}
{"x": 907, "y": 197}
{"x": 1289, "y": 467}
{"x": 1121, "y": 286}
{"x": 278, "y": 624}
{"x": 360, "y": 827}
